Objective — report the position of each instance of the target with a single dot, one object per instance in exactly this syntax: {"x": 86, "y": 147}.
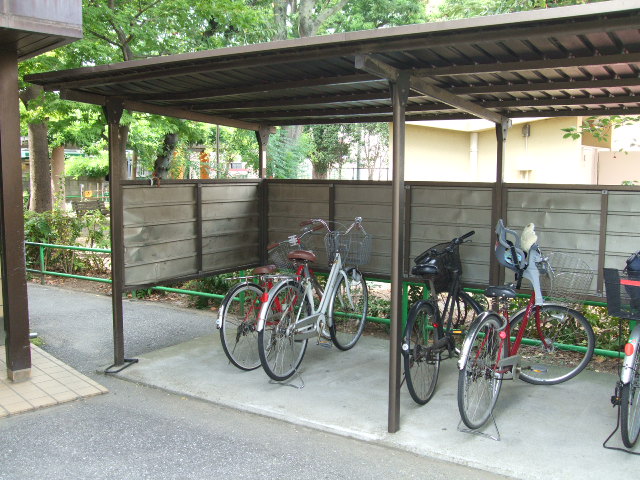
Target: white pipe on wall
{"x": 473, "y": 156}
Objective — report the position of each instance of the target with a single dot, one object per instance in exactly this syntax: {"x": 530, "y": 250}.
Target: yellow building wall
{"x": 542, "y": 157}
{"x": 434, "y": 154}
{"x": 617, "y": 167}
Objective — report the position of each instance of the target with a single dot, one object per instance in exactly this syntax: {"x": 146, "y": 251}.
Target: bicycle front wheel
{"x": 630, "y": 407}
{"x": 238, "y": 334}
{"x": 280, "y": 352}
{"x": 348, "y": 309}
{"x": 560, "y": 350}
{"x": 421, "y": 363}
{"x": 480, "y": 377}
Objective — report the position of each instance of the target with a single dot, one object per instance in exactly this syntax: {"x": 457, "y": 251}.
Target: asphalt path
{"x": 137, "y": 432}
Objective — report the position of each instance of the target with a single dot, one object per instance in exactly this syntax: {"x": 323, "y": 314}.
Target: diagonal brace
{"x": 384, "y": 70}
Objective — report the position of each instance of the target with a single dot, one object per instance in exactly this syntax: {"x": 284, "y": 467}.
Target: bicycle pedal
{"x": 324, "y": 343}
{"x": 536, "y": 368}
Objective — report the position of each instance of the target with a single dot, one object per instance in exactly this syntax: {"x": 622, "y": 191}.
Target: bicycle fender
{"x": 262, "y": 316}
{"x": 419, "y": 304}
{"x": 225, "y": 304}
{"x": 626, "y": 375}
{"x": 475, "y": 325}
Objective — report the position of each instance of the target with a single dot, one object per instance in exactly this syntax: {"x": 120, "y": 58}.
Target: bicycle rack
{"x": 289, "y": 383}
{"x": 462, "y": 428}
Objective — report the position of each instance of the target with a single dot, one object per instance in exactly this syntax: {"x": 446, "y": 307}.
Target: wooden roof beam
{"x": 522, "y": 66}
{"x": 159, "y": 110}
{"x": 383, "y": 70}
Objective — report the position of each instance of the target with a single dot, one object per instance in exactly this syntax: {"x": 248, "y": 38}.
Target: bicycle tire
{"x": 630, "y": 407}
{"x": 421, "y": 366}
{"x": 280, "y": 352}
{"x": 238, "y": 334}
{"x": 467, "y": 309}
{"x": 545, "y": 365}
{"x": 348, "y": 309}
{"x": 479, "y": 380}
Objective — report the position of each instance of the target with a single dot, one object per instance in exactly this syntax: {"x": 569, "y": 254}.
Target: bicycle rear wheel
{"x": 238, "y": 334}
{"x": 348, "y": 309}
{"x": 630, "y": 407}
{"x": 544, "y": 361}
{"x": 280, "y": 352}
{"x": 480, "y": 379}
{"x": 421, "y": 364}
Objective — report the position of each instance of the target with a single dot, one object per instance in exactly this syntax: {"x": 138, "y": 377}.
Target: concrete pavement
{"x": 546, "y": 432}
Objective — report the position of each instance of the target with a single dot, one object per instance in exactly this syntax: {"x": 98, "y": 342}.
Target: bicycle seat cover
{"x": 265, "y": 269}
{"x": 424, "y": 270}
{"x": 503, "y": 291}
{"x": 507, "y": 242}
{"x": 304, "y": 255}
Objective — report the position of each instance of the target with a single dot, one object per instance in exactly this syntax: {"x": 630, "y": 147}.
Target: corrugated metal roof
{"x": 581, "y": 60}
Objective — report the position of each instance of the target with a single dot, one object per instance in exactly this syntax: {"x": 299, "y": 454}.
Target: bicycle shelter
{"x": 567, "y": 61}
{"x": 27, "y": 28}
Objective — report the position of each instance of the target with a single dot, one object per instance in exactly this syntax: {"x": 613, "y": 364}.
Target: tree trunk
{"x": 123, "y": 135}
{"x": 318, "y": 175}
{"x": 39, "y": 165}
{"x": 134, "y": 166}
{"x": 163, "y": 162}
{"x": 57, "y": 176}
{"x": 39, "y": 168}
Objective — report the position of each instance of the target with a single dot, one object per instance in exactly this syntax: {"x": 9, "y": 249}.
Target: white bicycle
{"x": 289, "y": 315}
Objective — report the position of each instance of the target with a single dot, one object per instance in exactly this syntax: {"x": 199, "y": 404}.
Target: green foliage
{"x": 607, "y": 329}
{"x": 218, "y": 284}
{"x": 53, "y": 227}
{"x": 600, "y": 127}
{"x": 286, "y": 154}
{"x": 368, "y": 14}
{"x": 452, "y": 9}
{"x": 97, "y": 232}
{"x": 96, "y": 166}
{"x": 236, "y": 145}
{"x": 379, "y": 307}
{"x": 331, "y": 146}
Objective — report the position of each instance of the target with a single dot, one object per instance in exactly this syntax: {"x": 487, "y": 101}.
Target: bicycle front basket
{"x": 568, "y": 279}
{"x": 446, "y": 260}
{"x": 622, "y": 302}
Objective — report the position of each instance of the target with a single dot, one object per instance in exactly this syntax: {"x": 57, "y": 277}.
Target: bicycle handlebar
{"x": 357, "y": 223}
{"x": 461, "y": 239}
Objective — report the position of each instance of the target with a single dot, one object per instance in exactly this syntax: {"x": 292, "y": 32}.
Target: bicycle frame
{"x": 627, "y": 372}
{"x": 318, "y": 315}
{"x": 503, "y": 317}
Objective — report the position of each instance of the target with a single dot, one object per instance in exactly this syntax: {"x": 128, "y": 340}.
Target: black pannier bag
{"x": 633, "y": 271}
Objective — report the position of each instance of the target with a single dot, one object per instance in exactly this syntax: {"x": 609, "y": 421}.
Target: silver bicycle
{"x": 290, "y": 315}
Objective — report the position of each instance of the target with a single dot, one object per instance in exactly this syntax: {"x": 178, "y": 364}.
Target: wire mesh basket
{"x": 354, "y": 247}
{"x": 566, "y": 279}
{"x": 623, "y": 294}
{"x": 447, "y": 258}
{"x": 278, "y": 253}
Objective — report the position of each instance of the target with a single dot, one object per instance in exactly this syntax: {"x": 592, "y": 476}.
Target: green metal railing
{"x": 405, "y": 293}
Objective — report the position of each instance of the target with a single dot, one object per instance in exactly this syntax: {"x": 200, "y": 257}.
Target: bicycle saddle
{"x": 304, "y": 255}
{"x": 502, "y": 291}
{"x": 424, "y": 270}
{"x": 265, "y": 269}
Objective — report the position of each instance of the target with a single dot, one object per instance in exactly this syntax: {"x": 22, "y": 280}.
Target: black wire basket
{"x": 446, "y": 257}
{"x": 623, "y": 294}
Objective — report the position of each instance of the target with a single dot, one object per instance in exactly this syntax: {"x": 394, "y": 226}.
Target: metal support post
{"x": 399, "y": 96}
{"x": 14, "y": 278}
{"x": 113, "y": 111}
{"x": 499, "y": 195}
